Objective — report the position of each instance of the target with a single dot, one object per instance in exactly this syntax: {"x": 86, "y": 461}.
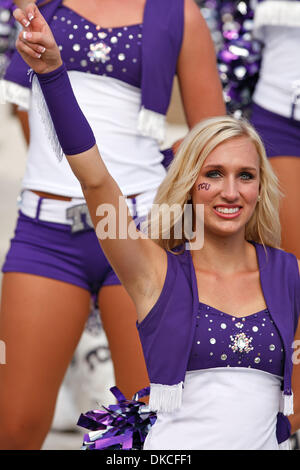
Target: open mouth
{"x": 228, "y": 212}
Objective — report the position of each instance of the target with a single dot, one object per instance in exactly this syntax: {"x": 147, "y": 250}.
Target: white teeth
{"x": 225, "y": 210}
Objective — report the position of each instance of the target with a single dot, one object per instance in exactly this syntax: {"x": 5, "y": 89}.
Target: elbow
{"x": 90, "y": 186}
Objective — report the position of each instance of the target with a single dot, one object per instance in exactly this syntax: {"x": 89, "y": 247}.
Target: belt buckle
{"x": 78, "y": 222}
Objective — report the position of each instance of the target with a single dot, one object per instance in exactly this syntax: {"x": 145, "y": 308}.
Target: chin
{"x": 225, "y": 232}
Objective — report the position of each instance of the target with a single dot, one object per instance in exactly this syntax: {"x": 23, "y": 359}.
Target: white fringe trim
{"x": 277, "y": 13}
{"x": 286, "y": 445}
{"x": 38, "y": 97}
{"x": 152, "y": 124}
{"x": 11, "y": 92}
{"x": 165, "y": 398}
{"x": 287, "y": 404}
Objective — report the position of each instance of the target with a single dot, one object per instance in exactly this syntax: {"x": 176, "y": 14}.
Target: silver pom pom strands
{"x": 238, "y": 53}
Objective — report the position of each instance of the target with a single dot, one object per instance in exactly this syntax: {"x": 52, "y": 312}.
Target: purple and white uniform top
{"x": 235, "y": 370}
{"x": 222, "y": 340}
{"x": 87, "y": 47}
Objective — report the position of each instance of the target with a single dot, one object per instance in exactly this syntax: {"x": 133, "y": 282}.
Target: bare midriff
{"x": 66, "y": 198}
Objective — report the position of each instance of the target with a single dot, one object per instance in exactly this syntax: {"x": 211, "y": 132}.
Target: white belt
{"x": 72, "y": 212}
{"x": 48, "y": 210}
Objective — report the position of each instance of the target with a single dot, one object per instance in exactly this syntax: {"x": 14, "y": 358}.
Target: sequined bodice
{"x": 222, "y": 340}
{"x": 113, "y": 52}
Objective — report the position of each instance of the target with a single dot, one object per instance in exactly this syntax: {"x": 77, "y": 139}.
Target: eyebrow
{"x": 220, "y": 167}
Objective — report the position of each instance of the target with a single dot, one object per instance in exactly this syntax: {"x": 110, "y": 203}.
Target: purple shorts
{"x": 280, "y": 135}
{"x": 51, "y": 250}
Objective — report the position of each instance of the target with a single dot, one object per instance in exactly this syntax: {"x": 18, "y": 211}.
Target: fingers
{"x": 37, "y": 21}
{"x": 37, "y": 41}
{"x": 31, "y": 16}
{"x": 40, "y": 39}
{"x": 27, "y": 50}
{"x": 35, "y": 47}
{"x": 20, "y": 16}
{"x": 32, "y": 12}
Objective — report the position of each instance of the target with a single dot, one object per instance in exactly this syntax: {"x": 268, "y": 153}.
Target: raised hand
{"x": 36, "y": 43}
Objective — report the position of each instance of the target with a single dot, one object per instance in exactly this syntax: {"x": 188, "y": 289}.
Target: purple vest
{"x": 163, "y": 26}
{"x": 167, "y": 332}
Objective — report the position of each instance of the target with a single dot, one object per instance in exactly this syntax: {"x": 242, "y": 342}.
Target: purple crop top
{"x": 114, "y": 52}
{"x": 222, "y": 340}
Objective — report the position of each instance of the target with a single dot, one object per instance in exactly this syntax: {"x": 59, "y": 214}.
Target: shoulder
{"x": 277, "y": 256}
{"x": 192, "y": 9}
{"x": 192, "y": 14}
{"x": 196, "y": 31}
{"x": 286, "y": 261}
{"x": 279, "y": 252}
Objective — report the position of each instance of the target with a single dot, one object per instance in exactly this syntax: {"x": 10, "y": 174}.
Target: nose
{"x": 230, "y": 191}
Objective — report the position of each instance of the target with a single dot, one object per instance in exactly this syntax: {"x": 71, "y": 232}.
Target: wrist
{"x": 73, "y": 131}
{"x": 52, "y": 74}
{"x": 52, "y": 70}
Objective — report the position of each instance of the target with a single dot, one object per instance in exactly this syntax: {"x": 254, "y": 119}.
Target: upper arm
{"x": 199, "y": 81}
{"x": 138, "y": 261}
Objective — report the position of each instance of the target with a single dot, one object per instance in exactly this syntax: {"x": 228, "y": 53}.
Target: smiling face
{"x": 228, "y": 186}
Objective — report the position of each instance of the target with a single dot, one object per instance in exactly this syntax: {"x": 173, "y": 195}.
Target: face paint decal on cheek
{"x": 205, "y": 186}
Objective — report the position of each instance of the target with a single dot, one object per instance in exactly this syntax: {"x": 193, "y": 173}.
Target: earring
{"x": 259, "y": 199}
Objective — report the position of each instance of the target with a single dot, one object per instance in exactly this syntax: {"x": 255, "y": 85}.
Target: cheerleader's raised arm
{"x": 144, "y": 277}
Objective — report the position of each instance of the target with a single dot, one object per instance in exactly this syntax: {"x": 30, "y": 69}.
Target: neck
{"x": 225, "y": 255}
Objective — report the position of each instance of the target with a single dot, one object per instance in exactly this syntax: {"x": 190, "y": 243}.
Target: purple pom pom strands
{"x": 238, "y": 54}
{"x": 124, "y": 425}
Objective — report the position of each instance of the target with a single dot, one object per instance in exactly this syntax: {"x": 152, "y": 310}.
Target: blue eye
{"x": 213, "y": 174}
{"x": 246, "y": 176}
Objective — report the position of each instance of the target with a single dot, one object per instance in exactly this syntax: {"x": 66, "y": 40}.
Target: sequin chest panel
{"x": 222, "y": 340}
{"x": 85, "y": 47}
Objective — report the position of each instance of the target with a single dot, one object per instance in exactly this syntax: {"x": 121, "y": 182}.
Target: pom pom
{"x": 238, "y": 53}
{"x": 124, "y": 425}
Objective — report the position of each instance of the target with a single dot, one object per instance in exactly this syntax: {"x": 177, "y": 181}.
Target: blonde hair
{"x": 263, "y": 226}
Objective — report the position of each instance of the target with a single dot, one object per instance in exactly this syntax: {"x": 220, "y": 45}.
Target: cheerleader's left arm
{"x": 295, "y": 418}
{"x": 198, "y": 77}
{"x": 200, "y": 86}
